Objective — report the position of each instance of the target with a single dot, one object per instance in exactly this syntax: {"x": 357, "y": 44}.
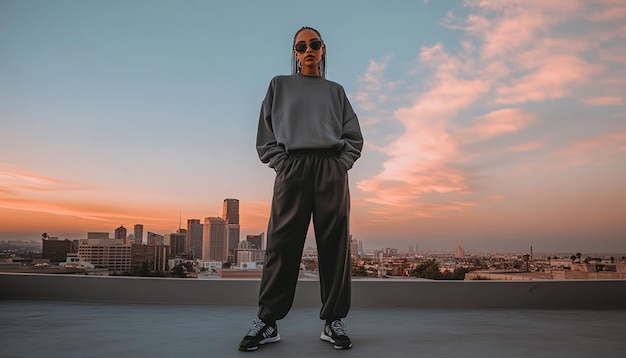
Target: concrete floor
{"x": 71, "y": 329}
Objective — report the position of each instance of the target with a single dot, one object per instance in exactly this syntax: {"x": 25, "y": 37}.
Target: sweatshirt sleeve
{"x": 266, "y": 145}
{"x": 351, "y": 136}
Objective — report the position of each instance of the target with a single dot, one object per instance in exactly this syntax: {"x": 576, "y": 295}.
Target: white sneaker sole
{"x": 264, "y": 341}
{"x": 329, "y": 339}
{"x": 270, "y": 340}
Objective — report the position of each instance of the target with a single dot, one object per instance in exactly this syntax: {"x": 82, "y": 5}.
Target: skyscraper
{"x": 230, "y": 211}
{"x": 176, "y": 242}
{"x": 215, "y": 240}
{"x": 459, "y": 253}
{"x": 194, "y": 236}
{"x": 354, "y": 247}
{"x": 230, "y": 214}
{"x": 138, "y": 229}
{"x": 187, "y": 247}
{"x": 155, "y": 239}
{"x": 120, "y": 233}
{"x": 256, "y": 241}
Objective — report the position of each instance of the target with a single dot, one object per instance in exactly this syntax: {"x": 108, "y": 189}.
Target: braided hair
{"x": 296, "y": 66}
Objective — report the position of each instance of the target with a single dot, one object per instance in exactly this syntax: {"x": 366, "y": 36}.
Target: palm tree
{"x": 578, "y": 255}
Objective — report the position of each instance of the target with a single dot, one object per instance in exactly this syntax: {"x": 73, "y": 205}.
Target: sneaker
{"x": 335, "y": 333}
{"x": 259, "y": 333}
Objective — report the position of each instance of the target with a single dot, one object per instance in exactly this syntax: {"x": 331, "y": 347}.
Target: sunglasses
{"x": 315, "y": 45}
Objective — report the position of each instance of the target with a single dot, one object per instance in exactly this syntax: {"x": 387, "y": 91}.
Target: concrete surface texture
{"x": 71, "y": 329}
{"x": 83, "y": 316}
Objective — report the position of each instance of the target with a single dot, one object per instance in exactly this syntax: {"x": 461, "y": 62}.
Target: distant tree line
{"x": 588, "y": 259}
{"x": 430, "y": 270}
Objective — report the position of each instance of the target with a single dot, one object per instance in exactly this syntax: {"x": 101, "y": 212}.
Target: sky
{"x": 494, "y": 125}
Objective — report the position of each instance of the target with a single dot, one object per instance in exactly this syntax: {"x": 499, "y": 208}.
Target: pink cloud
{"x": 422, "y": 159}
{"x": 505, "y": 27}
{"x": 496, "y": 198}
{"x": 615, "y": 55}
{"x": 12, "y": 181}
{"x": 375, "y": 86}
{"x": 385, "y": 215}
{"x": 533, "y": 64}
{"x": 373, "y": 77}
{"x": 437, "y": 59}
{"x": 605, "y": 101}
{"x": 608, "y": 10}
{"x": 24, "y": 191}
{"x": 526, "y": 147}
{"x": 511, "y": 56}
{"x": 597, "y": 150}
{"x": 553, "y": 79}
{"x": 81, "y": 211}
{"x": 496, "y": 123}
{"x": 419, "y": 160}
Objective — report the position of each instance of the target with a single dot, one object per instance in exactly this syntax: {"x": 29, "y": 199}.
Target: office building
{"x": 233, "y": 236}
{"x": 155, "y": 239}
{"x": 187, "y": 248}
{"x": 256, "y": 241}
{"x": 459, "y": 253}
{"x": 215, "y": 240}
{"x": 194, "y": 235}
{"x": 176, "y": 242}
{"x": 230, "y": 211}
{"x": 149, "y": 258}
{"x": 138, "y": 230}
{"x": 230, "y": 214}
{"x": 354, "y": 247}
{"x": 120, "y": 233}
{"x": 246, "y": 253}
{"x": 111, "y": 254}
{"x": 54, "y": 249}
{"x": 97, "y": 235}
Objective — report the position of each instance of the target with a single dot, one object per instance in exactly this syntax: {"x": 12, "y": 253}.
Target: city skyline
{"x": 490, "y": 125}
{"x": 408, "y": 248}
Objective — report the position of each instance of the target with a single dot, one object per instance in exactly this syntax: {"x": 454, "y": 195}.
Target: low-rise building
{"x": 110, "y": 254}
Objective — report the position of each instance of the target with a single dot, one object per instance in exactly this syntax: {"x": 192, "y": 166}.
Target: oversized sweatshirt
{"x": 307, "y": 112}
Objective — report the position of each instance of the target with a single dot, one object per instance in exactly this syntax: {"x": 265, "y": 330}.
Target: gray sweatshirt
{"x": 307, "y": 112}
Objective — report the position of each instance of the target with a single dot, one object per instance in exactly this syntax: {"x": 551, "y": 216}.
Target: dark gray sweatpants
{"x": 308, "y": 183}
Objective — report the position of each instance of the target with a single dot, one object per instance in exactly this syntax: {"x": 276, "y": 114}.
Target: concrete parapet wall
{"x": 496, "y": 276}
{"x": 549, "y": 294}
{"x": 556, "y": 275}
{"x": 581, "y": 275}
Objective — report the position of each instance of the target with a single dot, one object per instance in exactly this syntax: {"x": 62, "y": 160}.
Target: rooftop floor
{"x": 35, "y": 328}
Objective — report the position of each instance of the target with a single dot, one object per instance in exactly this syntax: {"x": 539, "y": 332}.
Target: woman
{"x": 309, "y": 134}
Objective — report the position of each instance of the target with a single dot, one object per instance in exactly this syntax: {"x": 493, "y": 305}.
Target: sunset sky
{"x": 494, "y": 125}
